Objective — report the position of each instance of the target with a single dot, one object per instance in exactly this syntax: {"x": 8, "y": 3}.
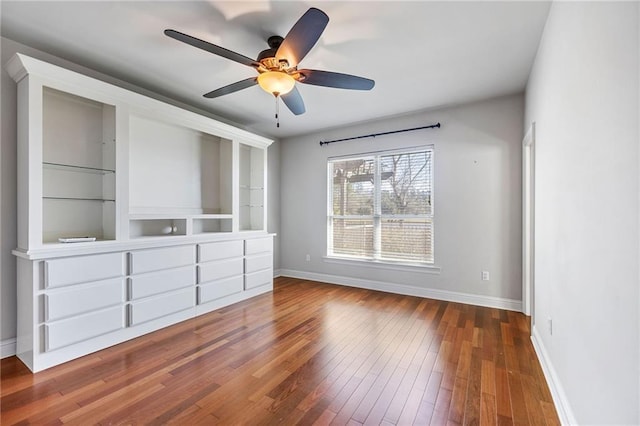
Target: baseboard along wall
{"x": 449, "y": 296}
{"x": 557, "y": 391}
{"x": 7, "y": 348}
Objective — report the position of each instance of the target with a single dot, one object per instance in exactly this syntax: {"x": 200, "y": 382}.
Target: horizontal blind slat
{"x": 405, "y": 213}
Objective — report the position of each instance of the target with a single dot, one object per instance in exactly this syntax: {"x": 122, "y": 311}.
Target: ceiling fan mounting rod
{"x": 275, "y": 41}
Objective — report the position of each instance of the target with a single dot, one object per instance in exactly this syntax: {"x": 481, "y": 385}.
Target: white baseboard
{"x": 557, "y": 391}
{"x": 7, "y": 348}
{"x": 277, "y": 273}
{"x": 449, "y": 296}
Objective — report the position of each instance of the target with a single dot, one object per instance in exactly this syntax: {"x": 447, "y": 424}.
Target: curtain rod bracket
{"x": 373, "y": 135}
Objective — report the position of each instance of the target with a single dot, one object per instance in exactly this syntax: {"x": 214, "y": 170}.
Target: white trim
{"x": 53, "y": 250}
{"x": 57, "y": 77}
{"x": 381, "y": 264}
{"x": 407, "y": 150}
{"x": 376, "y": 215}
{"x": 528, "y": 222}
{"x": 7, "y": 347}
{"x": 557, "y": 391}
{"x": 430, "y": 293}
{"x": 277, "y": 273}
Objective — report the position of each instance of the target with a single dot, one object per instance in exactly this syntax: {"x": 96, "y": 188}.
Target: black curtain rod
{"x": 373, "y": 135}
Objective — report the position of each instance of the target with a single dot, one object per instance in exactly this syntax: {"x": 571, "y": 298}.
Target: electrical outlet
{"x": 485, "y": 275}
{"x": 550, "y": 323}
{"x": 308, "y": 258}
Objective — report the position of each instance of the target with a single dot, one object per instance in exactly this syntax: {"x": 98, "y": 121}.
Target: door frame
{"x": 528, "y": 222}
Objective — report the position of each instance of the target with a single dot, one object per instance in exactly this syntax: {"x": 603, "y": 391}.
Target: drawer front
{"x": 221, "y": 250}
{"x": 161, "y": 282}
{"x": 258, "y": 279}
{"x": 74, "y": 270}
{"x": 258, "y": 245}
{"x": 163, "y": 258}
{"x": 212, "y": 271}
{"x": 73, "y": 330}
{"x": 257, "y": 263}
{"x": 156, "y": 307}
{"x": 216, "y": 290}
{"x": 73, "y": 301}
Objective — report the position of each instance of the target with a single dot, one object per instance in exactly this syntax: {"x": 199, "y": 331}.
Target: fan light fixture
{"x": 276, "y": 82}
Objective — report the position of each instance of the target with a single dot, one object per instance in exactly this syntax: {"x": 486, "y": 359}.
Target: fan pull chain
{"x": 277, "y": 112}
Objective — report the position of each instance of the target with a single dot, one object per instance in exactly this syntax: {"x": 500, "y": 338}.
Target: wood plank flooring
{"x": 309, "y": 353}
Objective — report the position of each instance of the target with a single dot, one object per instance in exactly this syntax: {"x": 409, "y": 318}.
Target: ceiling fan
{"x": 277, "y": 66}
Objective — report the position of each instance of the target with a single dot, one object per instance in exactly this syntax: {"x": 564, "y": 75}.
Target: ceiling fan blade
{"x": 302, "y": 36}
{"x": 209, "y": 47}
{"x": 336, "y": 79}
{"x": 234, "y": 87}
{"x": 293, "y": 101}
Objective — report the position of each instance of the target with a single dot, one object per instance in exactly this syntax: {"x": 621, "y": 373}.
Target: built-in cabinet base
{"x": 75, "y": 305}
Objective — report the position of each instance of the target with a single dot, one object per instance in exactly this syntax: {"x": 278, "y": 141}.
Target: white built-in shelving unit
{"x": 175, "y": 201}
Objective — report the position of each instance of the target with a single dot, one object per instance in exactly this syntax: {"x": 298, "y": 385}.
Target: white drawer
{"x": 160, "y": 282}
{"x": 156, "y": 307}
{"x": 221, "y": 250}
{"x": 212, "y": 271}
{"x": 218, "y": 289}
{"x": 162, "y": 258}
{"x": 81, "y": 269}
{"x": 258, "y": 245}
{"x": 75, "y": 300}
{"x": 258, "y": 279}
{"x": 73, "y": 330}
{"x": 257, "y": 263}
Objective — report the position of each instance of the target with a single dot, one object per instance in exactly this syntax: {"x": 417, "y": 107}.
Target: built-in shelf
{"x": 158, "y": 216}
{"x": 212, "y": 216}
{"x": 74, "y": 168}
{"x": 78, "y": 199}
{"x": 206, "y": 225}
{"x": 179, "y": 170}
{"x": 252, "y": 194}
{"x": 78, "y": 167}
{"x": 143, "y": 216}
{"x": 157, "y": 227}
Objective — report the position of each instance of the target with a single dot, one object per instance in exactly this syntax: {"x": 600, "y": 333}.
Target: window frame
{"x": 377, "y": 217}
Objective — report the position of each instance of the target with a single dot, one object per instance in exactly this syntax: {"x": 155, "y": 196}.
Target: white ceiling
{"x": 421, "y": 54}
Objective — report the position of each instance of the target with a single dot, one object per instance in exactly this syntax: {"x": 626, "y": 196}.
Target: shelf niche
{"x": 178, "y": 170}
{"x": 211, "y": 225}
{"x": 252, "y": 195}
{"x": 79, "y": 167}
{"x": 157, "y": 227}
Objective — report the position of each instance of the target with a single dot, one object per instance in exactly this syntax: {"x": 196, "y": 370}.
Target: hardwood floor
{"x": 309, "y": 353}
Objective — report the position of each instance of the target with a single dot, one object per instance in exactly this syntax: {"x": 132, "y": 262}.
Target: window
{"x": 380, "y": 207}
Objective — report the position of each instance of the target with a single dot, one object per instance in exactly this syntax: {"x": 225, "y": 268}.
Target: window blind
{"x": 381, "y": 207}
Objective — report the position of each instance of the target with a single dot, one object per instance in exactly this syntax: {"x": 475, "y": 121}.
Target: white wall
{"x": 477, "y": 201}
{"x": 8, "y": 219}
{"x": 583, "y": 96}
